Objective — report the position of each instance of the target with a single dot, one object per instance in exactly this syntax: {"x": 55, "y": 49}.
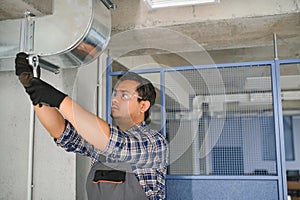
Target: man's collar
{"x": 137, "y": 126}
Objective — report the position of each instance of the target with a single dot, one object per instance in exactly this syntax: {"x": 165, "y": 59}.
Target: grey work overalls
{"x": 130, "y": 189}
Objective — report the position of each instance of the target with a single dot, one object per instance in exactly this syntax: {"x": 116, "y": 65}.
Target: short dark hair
{"x": 145, "y": 89}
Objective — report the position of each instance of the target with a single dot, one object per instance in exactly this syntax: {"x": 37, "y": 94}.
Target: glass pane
{"x": 288, "y": 138}
{"x": 290, "y": 96}
{"x": 220, "y": 121}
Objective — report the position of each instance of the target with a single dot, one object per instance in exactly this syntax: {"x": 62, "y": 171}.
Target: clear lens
{"x": 124, "y": 95}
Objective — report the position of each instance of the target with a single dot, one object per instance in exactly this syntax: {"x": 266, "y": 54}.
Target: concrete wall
{"x": 136, "y": 13}
{"x": 87, "y": 96}
{"x": 14, "y": 126}
{"x": 51, "y": 164}
{"x": 57, "y": 174}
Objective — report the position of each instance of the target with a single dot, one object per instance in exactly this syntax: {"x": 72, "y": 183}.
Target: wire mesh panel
{"x": 219, "y": 121}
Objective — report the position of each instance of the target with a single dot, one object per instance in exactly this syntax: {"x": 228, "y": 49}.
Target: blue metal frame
{"x": 278, "y": 118}
{"x": 278, "y": 122}
{"x": 163, "y": 102}
{"x": 108, "y": 87}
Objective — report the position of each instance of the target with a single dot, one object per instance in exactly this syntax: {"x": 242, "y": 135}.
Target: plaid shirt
{"x": 144, "y": 148}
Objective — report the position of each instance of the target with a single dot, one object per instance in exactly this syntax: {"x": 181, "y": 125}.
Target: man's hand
{"x": 41, "y": 92}
{"x": 23, "y": 70}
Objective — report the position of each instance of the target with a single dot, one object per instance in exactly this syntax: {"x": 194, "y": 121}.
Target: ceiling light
{"x": 172, "y": 3}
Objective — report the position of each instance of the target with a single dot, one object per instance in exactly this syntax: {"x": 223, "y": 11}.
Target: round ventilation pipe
{"x": 75, "y": 34}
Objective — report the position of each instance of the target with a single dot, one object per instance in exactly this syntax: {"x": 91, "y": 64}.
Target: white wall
{"x": 52, "y": 166}
{"x": 57, "y": 174}
{"x": 86, "y": 89}
{"x": 14, "y": 126}
{"x": 54, "y": 169}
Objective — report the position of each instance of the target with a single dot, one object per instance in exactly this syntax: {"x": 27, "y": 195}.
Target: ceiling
{"x": 14, "y": 9}
{"x": 225, "y": 32}
{"x": 230, "y": 31}
{"x": 231, "y": 28}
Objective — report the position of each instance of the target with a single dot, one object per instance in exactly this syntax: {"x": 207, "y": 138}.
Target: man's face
{"x": 125, "y": 104}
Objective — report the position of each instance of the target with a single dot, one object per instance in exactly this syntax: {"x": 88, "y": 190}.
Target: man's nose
{"x": 115, "y": 98}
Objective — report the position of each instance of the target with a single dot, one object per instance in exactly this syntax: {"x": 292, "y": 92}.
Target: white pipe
{"x": 30, "y": 153}
{"x": 26, "y": 45}
{"x": 195, "y": 146}
{"x": 100, "y": 85}
{"x": 275, "y": 46}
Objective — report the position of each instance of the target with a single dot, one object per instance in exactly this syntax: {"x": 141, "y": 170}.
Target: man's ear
{"x": 145, "y": 105}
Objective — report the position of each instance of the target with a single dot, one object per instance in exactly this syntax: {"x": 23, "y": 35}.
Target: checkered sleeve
{"x": 71, "y": 141}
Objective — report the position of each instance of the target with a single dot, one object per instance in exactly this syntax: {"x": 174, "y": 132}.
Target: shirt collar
{"x": 137, "y": 126}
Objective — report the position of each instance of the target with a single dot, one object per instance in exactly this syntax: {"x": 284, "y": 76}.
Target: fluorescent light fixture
{"x": 172, "y": 3}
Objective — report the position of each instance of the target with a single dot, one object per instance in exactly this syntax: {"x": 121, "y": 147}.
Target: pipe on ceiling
{"x": 75, "y": 35}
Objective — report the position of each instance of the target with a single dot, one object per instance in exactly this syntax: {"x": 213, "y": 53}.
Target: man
{"x": 130, "y": 159}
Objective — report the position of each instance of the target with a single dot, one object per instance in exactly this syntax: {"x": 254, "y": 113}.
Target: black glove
{"x": 23, "y": 70}
{"x": 41, "y": 92}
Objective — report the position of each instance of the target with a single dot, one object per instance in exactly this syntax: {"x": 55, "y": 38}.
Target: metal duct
{"x": 75, "y": 35}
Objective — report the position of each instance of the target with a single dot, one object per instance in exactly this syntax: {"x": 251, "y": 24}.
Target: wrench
{"x": 33, "y": 60}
